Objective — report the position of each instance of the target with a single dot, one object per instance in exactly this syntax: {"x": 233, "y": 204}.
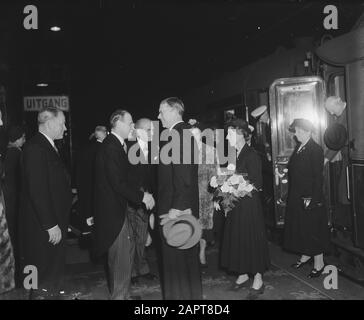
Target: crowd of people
{"x": 118, "y": 200}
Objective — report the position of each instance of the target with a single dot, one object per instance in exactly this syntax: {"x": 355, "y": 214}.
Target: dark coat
{"x": 178, "y": 189}
{"x": 45, "y": 202}
{"x": 306, "y": 231}
{"x": 85, "y": 179}
{"x": 143, "y": 175}
{"x": 112, "y": 192}
{"x": 178, "y": 183}
{"x": 245, "y": 247}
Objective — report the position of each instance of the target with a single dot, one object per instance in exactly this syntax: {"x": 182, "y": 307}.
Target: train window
{"x": 336, "y": 86}
{"x": 296, "y": 102}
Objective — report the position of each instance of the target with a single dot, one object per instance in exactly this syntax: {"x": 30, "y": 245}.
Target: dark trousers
{"x": 181, "y": 273}
{"x": 120, "y": 260}
{"x": 138, "y": 219}
{"x": 50, "y": 264}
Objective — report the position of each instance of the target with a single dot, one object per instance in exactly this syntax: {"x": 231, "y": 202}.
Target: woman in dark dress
{"x": 245, "y": 247}
{"x": 306, "y": 222}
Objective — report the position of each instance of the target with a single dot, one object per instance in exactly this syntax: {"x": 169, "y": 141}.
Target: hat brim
{"x": 258, "y": 111}
{"x": 196, "y": 230}
{"x": 179, "y": 234}
{"x": 335, "y": 137}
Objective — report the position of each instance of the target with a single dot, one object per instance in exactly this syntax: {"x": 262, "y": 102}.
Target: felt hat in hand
{"x": 184, "y": 232}
{"x": 335, "y": 136}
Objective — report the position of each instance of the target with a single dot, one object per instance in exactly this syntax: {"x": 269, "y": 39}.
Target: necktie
{"x": 124, "y": 147}
{"x": 145, "y": 151}
{"x": 55, "y": 148}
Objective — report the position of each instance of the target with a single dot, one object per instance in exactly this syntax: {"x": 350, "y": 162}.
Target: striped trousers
{"x": 138, "y": 218}
{"x": 120, "y": 261}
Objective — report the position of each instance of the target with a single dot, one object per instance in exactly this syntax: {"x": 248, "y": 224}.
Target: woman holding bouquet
{"x": 245, "y": 246}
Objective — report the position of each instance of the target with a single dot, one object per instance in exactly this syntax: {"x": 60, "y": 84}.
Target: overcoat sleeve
{"x": 36, "y": 169}
{"x": 254, "y": 167}
{"x": 117, "y": 174}
{"x": 317, "y": 165}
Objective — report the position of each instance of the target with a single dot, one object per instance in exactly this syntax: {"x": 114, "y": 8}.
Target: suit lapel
{"x": 43, "y": 141}
{"x": 115, "y": 141}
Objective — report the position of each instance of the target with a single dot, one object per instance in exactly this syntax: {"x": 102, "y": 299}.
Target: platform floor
{"x": 86, "y": 281}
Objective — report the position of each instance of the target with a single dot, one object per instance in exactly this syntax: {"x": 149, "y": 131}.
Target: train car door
{"x": 291, "y": 98}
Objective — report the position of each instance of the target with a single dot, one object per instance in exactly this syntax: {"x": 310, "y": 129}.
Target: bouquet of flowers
{"x": 230, "y": 187}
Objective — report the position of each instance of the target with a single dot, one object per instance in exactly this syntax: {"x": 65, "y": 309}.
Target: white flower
{"x": 192, "y": 122}
{"x": 242, "y": 187}
{"x": 249, "y": 188}
{"x": 213, "y": 182}
{"x": 242, "y": 180}
{"x": 225, "y": 187}
{"x": 235, "y": 192}
{"x": 234, "y": 179}
{"x": 231, "y": 167}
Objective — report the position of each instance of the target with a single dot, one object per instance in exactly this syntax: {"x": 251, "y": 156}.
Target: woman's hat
{"x": 184, "y": 232}
{"x": 239, "y": 124}
{"x": 335, "y": 136}
{"x": 304, "y": 124}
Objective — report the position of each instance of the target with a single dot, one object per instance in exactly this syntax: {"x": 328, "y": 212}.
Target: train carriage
{"x": 295, "y": 84}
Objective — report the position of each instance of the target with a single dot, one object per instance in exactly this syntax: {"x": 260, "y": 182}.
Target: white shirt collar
{"x": 143, "y": 145}
{"x": 48, "y": 138}
{"x": 302, "y": 145}
{"x": 119, "y": 138}
{"x": 175, "y": 124}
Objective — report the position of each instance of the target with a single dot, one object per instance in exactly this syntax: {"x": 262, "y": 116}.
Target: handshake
{"x": 148, "y": 200}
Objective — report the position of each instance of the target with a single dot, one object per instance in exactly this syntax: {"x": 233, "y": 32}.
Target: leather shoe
{"x": 316, "y": 273}
{"x": 44, "y": 295}
{"x": 254, "y": 293}
{"x": 204, "y": 265}
{"x": 236, "y": 287}
{"x": 300, "y": 264}
{"x": 149, "y": 276}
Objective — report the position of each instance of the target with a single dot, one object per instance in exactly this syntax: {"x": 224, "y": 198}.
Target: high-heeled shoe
{"x": 316, "y": 273}
{"x": 255, "y": 293}
{"x": 300, "y": 264}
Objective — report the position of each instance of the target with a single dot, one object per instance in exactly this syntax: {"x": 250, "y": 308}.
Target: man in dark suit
{"x": 85, "y": 178}
{"x": 178, "y": 190}
{"x": 45, "y": 204}
{"x": 142, "y": 175}
{"x": 112, "y": 192}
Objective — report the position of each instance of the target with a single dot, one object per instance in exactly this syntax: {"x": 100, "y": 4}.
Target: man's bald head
{"x": 143, "y": 129}
{"x": 143, "y": 123}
